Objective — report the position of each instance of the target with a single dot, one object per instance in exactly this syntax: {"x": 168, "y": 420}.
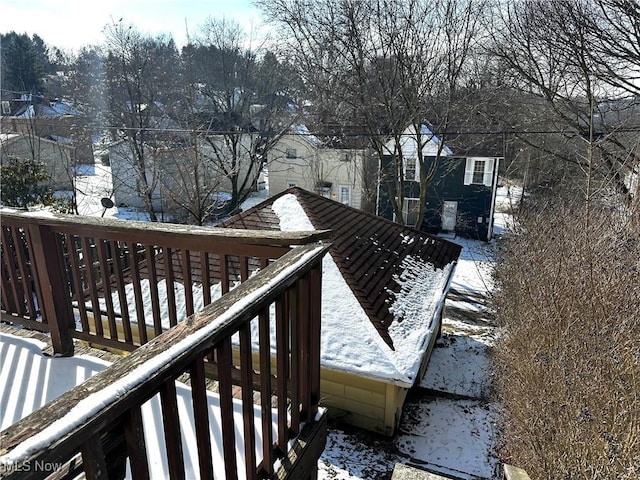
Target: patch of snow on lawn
{"x": 459, "y": 365}
{"x": 454, "y": 437}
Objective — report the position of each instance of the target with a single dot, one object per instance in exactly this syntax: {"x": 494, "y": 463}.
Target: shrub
{"x": 24, "y": 183}
{"x": 568, "y": 365}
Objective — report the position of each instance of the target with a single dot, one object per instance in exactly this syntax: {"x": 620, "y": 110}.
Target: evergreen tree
{"x": 24, "y": 183}
{"x": 22, "y": 60}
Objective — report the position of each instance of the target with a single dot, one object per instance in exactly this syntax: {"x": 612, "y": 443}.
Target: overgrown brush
{"x": 568, "y": 365}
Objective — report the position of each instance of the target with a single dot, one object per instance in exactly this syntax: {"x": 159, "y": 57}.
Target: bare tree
{"x": 553, "y": 52}
{"x": 246, "y": 104}
{"x": 189, "y": 179}
{"x": 139, "y": 80}
{"x": 388, "y": 66}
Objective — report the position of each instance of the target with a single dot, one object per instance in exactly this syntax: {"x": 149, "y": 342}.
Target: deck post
{"x": 49, "y": 271}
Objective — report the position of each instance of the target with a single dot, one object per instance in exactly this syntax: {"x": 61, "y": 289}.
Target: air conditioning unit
{"x": 6, "y": 108}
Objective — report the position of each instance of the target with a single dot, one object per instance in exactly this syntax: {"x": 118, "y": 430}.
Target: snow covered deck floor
{"x": 30, "y": 379}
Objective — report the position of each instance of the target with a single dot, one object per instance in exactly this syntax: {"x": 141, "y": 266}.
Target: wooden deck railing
{"x": 97, "y": 425}
{"x": 118, "y": 283}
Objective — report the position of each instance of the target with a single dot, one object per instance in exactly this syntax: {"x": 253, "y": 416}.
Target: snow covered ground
{"x": 449, "y": 422}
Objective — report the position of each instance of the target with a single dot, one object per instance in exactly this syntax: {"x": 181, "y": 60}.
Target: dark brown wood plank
{"x": 136, "y": 445}
{"x": 301, "y": 461}
{"x": 235, "y": 241}
{"x": 244, "y": 268}
{"x": 224, "y": 273}
{"x": 304, "y": 315}
{"x": 170, "y": 281}
{"x": 101, "y": 248}
{"x": 201, "y": 417}
{"x": 8, "y": 300}
{"x": 246, "y": 383}
{"x": 172, "y": 435}
{"x": 282, "y": 373}
{"x": 87, "y": 255}
{"x": 265, "y": 391}
{"x": 294, "y": 380}
{"x": 122, "y": 294}
{"x": 206, "y": 277}
{"x": 187, "y": 281}
{"x": 76, "y": 278}
{"x": 225, "y": 365}
{"x": 25, "y": 273}
{"x": 314, "y": 338}
{"x": 93, "y": 460}
{"x": 153, "y": 288}
{"x": 134, "y": 271}
{"x": 56, "y": 299}
{"x": 17, "y": 293}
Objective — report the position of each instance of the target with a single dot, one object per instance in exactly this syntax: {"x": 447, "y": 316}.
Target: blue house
{"x": 460, "y": 198}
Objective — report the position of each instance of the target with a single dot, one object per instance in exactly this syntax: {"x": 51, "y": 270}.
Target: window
{"x": 291, "y": 153}
{"x": 290, "y": 184}
{"x": 410, "y": 207}
{"x": 411, "y": 170}
{"x": 479, "y": 171}
{"x": 345, "y": 157}
{"x": 344, "y": 193}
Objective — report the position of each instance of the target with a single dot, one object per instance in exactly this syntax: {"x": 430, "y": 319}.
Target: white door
{"x": 449, "y": 213}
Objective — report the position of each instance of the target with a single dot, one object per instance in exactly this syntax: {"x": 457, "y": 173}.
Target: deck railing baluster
{"x": 172, "y": 435}
{"x": 153, "y": 288}
{"x": 201, "y": 417}
{"x": 136, "y": 444}
{"x": 170, "y": 281}
{"x": 105, "y": 272}
{"x": 282, "y": 373}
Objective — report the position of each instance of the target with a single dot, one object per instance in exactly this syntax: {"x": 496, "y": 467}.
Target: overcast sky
{"x": 70, "y": 24}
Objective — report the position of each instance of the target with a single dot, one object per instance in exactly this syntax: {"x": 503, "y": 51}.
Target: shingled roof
{"x": 368, "y": 250}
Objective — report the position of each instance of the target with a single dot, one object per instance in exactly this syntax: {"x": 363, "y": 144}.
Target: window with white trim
{"x": 344, "y": 194}
{"x": 411, "y": 169}
{"x": 479, "y": 171}
{"x": 291, "y": 153}
{"x": 410, "y": 208}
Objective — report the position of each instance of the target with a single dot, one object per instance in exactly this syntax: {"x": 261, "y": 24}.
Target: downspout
{"x": 494, "y": 192}
{"x": 378, "y": 186}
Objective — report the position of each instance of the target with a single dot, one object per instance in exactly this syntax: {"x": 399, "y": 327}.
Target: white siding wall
{"x": 313, "y": 164}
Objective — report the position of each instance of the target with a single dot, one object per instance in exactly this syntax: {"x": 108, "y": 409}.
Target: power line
{"x": 338, "y": 133}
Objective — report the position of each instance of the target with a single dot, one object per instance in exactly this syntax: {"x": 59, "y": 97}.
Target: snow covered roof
{"x": 304, "y": 133}
{"x": 383, "y": 284}
{"x": 430, "y": 147}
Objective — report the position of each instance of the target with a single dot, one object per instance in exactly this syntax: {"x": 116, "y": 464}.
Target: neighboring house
{"x": 59, "y": 157}
{"x": 54, "y": 120}
{"x": 331, "y": 165}
{"x": 171, "y": 172}
{"x": 460, "y": 198}
{"x": 383, "y": 290}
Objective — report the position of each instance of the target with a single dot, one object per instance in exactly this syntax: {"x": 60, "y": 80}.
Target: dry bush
{"x": 568, "y": 365}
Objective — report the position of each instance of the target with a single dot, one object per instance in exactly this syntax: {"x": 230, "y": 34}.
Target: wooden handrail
{"x": 109, "y": 403}
{"x": 69, "y": 263}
